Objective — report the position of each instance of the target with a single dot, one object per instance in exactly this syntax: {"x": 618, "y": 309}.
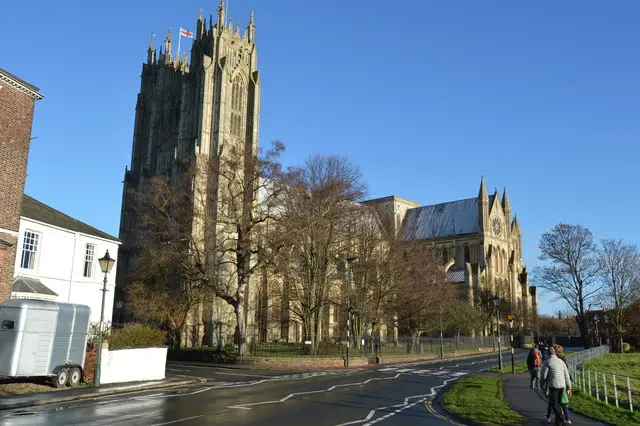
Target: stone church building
{"x": 188, "y": 113}
{"x": 477, "y": 242}
{"x": 189, "y": 108}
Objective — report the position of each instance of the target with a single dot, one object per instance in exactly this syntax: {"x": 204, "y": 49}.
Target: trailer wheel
{"x": 74, "y": 376}
{"x": 61, "y": 378}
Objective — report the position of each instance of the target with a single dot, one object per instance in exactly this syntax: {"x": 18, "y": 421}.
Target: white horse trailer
{"x": 42, "y": 338}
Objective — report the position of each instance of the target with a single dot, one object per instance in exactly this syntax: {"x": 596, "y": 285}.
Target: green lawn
{"x": 582, "y": 403}
{"x": 480, "y": 398}
{"x": 627, "y": 364}
{"x": 609, "y": 364}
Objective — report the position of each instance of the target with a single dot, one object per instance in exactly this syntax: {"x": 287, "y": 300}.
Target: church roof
{"x": 442, "y": 220}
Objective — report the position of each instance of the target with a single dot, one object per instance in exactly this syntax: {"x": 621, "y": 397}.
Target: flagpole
{"x": 179, "y": 38}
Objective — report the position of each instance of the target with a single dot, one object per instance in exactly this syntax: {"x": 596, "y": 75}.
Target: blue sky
{"x": 426, "y": 96}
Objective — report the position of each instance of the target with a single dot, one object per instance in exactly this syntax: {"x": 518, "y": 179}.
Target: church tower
{"x": 189, "y": 115}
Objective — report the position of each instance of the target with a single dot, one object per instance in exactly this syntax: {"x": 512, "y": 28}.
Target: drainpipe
{"x": 73, "y": 259}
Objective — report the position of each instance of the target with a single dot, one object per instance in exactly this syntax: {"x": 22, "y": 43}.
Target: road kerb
{"x": 92, "y": 395}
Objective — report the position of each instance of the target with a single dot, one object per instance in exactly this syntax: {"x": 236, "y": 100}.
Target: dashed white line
{"x": 178, "y": 421}
{"x": 241, "y": 406}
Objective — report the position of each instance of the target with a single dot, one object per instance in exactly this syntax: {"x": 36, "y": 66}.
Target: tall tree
{"x": 620, "y": 273}
{"x": 159, "y": 289}
{"x": 211, "y": 221}
{"x": 572, "y": 270}
{"x": 312, "y": 238}
{"x": 423, "y": 294}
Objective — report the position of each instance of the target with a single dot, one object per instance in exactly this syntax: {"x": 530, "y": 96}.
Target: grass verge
{"x": 582, "y": 403}
{"x": 480, "y": 399}
{"x": 604, "y": 367}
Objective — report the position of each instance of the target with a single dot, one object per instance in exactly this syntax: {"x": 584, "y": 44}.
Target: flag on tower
{"x": 186, "y": 33}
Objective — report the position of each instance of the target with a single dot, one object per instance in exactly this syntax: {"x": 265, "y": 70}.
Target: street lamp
{"x": 596, "y": 319}
{"x": 350, "y": 260}
{"x": 106, "y": 264}
{"x": 496, "y": 303}
{"x": 441, "y": 339}
{"x": 513, "y": 365}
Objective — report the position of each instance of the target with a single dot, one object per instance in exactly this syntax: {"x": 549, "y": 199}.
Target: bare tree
{"x": 486, "y": 308}
{"x": 422, "y": 292}
{"x": 312, "y": 239}
{"x": 210, "y": 224}
{"x": 249, "y": 187}
{"x": 159, "y": 289}
{"x": 573, "y": 269}
{"x": 620, "y": 273}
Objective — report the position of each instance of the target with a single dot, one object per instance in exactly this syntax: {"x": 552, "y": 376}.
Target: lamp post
{"x": 513, "y": 365}
{"x": 441, "y": 339}
{"x": 496, "y": 302}
{"x": 349, "y": 308}
{"x": 596, "y": 319}
{"x": 106, "y": 264}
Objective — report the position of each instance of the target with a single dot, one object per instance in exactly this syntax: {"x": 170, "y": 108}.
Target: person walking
{"x": 565, "y": 405}
{"x": 534, "y": 365}
{"x": 556, "y": 375}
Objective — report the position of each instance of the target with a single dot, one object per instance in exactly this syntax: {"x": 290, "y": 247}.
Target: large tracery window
{"x": 237, "y": 105}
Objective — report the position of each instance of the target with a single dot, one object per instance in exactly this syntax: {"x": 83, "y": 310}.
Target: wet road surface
{"x": 387, "y": 395}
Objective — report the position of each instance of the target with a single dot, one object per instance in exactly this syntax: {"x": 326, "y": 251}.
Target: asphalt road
{"x": 387, "y": 395}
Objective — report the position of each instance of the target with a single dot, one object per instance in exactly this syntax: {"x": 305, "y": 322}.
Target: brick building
{"x": 17, "y": 101}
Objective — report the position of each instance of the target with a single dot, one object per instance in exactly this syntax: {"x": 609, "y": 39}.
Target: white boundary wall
{"x": 133, "y": 364}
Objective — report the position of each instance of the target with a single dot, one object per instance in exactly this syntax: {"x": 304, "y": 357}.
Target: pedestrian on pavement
{"x": 534, "y": 364}
{"x": 556, "y": 375}
{"x": 565, "y": 406}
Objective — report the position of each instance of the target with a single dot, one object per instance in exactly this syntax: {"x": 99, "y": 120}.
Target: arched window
{"x": 467, "y": 255}
{"x": 237, "y": 105}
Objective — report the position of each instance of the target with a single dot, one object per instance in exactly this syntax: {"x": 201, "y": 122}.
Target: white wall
{"x": 133, "y": 365}
{"x": 59, "y": 265}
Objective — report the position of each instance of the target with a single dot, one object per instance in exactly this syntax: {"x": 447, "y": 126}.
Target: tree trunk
{"x": 584, "y": 332}
{"x": 239, "y": 334}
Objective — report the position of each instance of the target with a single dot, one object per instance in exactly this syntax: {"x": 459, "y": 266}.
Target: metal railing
{"x": 608, "y": 387}
{"x": 579, "y": 357}
{"x": 330, "y": 346}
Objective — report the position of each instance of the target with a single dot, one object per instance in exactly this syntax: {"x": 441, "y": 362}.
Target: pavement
{"x": 531, "y": 404}
{"x": 397, "y": 394}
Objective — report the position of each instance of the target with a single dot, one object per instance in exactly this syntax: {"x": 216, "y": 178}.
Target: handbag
{"x": 565, "y": 397}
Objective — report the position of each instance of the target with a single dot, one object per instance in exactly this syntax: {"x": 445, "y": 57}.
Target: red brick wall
{"x": 90, "y": 363}
{"x": 7, "y": 262}
{"x": 16, "y": 117}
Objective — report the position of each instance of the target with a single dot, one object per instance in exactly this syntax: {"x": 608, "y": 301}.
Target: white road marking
{"x": 312, "y": 392}
{"x": 399, "y": 407}
{"x": 178, "y": 421}
{"x": 405, "y": 370}
{"x": 245, "y": 375}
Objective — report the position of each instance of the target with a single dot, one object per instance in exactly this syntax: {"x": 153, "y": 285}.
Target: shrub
{"x": 136, "y": 335}
{"x": 626, "y": 347}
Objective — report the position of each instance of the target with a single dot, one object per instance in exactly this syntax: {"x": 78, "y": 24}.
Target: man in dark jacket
{"x": 534, "y": 364}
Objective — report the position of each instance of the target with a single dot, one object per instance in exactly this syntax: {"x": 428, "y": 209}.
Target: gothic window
{"x": 237, "y": 105}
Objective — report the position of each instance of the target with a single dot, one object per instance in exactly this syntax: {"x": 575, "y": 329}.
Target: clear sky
{"x": 426, "y": 96}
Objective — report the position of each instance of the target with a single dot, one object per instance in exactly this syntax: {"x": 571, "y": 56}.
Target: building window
{"x": 29, "y": 250}
{"x": 89, "y": 252}
{"x": 237, "y": 105}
